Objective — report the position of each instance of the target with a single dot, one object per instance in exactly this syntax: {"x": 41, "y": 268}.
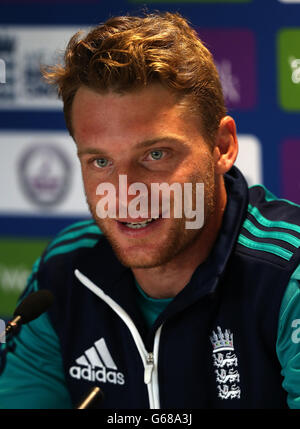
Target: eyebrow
{"x": 140, "y": 145}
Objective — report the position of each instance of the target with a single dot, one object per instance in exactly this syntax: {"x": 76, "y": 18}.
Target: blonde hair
{"x": 129, "y": 52}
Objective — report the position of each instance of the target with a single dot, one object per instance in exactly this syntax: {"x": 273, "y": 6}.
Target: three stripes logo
{"x": 97, "y": 364}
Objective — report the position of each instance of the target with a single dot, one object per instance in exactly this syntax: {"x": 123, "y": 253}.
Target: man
{"x": 156, "y": 313}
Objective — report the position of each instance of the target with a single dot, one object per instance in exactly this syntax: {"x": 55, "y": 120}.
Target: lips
{"x": 136, "y": 223}
{"x": 138, "y": 227}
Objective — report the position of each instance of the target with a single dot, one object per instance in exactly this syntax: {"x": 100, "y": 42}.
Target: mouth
{"x": 139, "y": 227}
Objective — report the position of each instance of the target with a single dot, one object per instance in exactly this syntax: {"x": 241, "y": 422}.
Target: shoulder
{"x": 54, "y": 270}
{"x": 62, "y": 252}
{"x": 78, "y": 236}
{"x": 271, "y": 229}
{"x": 264, "y": 205}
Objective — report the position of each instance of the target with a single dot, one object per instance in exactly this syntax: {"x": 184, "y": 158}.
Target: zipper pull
{"x": 148, "y": 368}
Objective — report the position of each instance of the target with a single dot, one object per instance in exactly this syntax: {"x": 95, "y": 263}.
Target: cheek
{"x": 203, "y": 164}
{"x": 84, "y": 175}
{"x": 87, "y": 183}
{"x": 193, "y": 170}
{"x": 90, "y": 191}
{"x": 90, "y": 182}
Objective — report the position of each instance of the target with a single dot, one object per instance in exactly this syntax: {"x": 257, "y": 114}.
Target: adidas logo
{"x": 96, "y": 364}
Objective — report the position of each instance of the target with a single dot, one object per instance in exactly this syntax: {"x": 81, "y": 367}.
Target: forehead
{"x": 153, "y": 109}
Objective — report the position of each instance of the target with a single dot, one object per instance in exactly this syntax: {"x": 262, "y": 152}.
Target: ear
{"x": 226, "y": 145}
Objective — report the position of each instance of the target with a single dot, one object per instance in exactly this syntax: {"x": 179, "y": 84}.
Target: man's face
{"x": 147, "y": 136}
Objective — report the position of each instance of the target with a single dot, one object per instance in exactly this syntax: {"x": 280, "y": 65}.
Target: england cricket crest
{"x": 225, "y": 363}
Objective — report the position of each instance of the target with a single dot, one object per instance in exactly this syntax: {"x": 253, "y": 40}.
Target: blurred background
{"x": 256, "y": 46}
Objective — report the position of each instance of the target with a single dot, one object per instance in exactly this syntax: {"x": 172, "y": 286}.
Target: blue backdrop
{"x": 256, "y": 45}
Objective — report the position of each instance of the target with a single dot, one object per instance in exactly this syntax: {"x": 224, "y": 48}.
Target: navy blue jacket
{"x": 214, "y": 346}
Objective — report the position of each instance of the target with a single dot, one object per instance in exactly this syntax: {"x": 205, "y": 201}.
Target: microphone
{"x": 30, "y": 308}
{"x": 90, "y": 401}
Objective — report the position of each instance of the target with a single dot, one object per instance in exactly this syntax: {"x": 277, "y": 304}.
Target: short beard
{"x": 178, "y": 239}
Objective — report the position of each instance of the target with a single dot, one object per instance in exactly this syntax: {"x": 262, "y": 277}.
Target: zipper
{"x": 149, "y": 368}
{"x": 151, "y": 372}
{"x": 150, "y": 360}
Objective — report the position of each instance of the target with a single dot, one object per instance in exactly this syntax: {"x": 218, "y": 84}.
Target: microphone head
{"x": 34, "y": 305}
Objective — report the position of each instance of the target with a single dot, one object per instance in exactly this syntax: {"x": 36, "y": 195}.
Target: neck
{"x": 168, "y": 280}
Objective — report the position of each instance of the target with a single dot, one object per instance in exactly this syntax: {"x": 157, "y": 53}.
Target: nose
{"x": 132, "y": 196}
{"x": 132, "y": 199}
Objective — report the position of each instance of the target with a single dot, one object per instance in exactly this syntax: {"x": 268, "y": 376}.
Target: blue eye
{"x": 156, "y": 154}
{"x": 101, "y": 162}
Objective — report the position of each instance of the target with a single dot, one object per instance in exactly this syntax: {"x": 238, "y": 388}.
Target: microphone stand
{"x": 11, "y": 326}
{"x": 90, "y": 398}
